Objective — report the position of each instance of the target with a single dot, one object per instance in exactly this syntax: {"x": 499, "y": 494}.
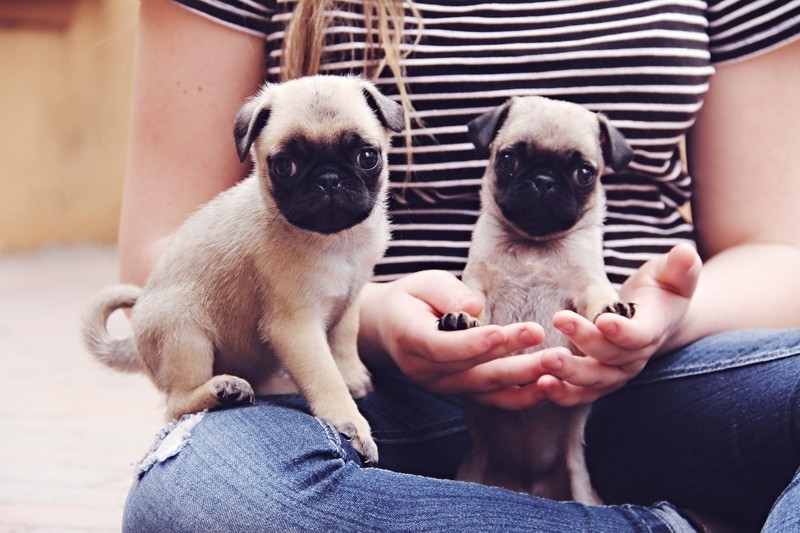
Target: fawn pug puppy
{"x": 537, "y": 249}
{"x": 262, "y": 281}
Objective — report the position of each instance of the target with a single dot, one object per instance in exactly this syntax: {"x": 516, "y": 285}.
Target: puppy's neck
{"x": 495, "y": 237}
{"x": 512, "y": 237}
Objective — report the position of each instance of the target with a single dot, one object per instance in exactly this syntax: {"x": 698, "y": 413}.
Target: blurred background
{"x": 70, "y": 430}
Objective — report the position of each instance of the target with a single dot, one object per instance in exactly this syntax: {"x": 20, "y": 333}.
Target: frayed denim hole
{"x": 334, "y": 439}
{"x": 169, "y": 442}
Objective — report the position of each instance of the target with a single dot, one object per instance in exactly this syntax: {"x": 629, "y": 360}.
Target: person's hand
{"x": 618, "y": 348}
{"x": 399, "y": 318}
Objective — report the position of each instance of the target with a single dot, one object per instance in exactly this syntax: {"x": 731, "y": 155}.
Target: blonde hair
{"x": 304, "y": 42}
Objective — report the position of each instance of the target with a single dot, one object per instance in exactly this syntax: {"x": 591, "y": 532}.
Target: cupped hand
{"x": 618, "y": 348}
{"x": 399, "y": 318}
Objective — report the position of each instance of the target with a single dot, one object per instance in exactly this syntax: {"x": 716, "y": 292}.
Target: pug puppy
{"x": 256, "y": 292}
{"x": 537, "y": 248}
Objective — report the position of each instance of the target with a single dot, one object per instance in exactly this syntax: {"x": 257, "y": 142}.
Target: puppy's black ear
{"x": 389, "y": 113}
{"x": 483, "y": 129}
{"x": 616, "y": 150}
{"x": 250, "y": 120}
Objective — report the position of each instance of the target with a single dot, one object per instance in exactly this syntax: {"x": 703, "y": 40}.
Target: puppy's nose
{"x": 329, "y": 182}
{"x": 543, "y": 183}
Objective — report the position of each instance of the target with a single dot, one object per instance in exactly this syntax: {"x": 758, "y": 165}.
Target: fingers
{"x": 476, "y": 345}
{"x": 612, "y": 339}
{"x": 494, "y": 375}
{"x": 562, "y": 378}
{"x": 627, "y": 334}
{"x": 513, "y": 398}
{"x": 444, "y": 355}
{"x": 518, "y": 337}
{"x": 456, "y": 346}
{"x": 588, "y": 372}
{"x": 568, "y": 395}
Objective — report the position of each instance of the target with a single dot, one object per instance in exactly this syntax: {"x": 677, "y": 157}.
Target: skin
{"x": 179, "y": 158}
{"x": 747, "y": 192}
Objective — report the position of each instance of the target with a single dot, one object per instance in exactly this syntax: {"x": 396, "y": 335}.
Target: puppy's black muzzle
{"x": 328, "y": 199}
{"x": 540, "y": 202}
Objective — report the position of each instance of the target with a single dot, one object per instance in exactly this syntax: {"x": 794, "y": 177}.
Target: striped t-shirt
{"x": 646, "y": 65}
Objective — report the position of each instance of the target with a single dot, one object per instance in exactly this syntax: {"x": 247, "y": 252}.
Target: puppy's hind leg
{"x": 343, "y": 340}
{"x": 185, "y": 372}
{"x": 580, "y": 482}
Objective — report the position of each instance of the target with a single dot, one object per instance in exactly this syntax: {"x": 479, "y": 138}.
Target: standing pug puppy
{"x": 537, "y": 248}
{"x": 262, "y": 281}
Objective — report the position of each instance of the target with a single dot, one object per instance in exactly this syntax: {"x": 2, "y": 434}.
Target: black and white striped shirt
{"x": 644, "y": 64}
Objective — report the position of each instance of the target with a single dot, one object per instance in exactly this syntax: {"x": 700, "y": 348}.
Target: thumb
{"x": 444, "y": 292}
{"x": 679, "y": 270}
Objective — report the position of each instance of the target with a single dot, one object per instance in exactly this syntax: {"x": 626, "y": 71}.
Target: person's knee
{"x": 238, "y": 470}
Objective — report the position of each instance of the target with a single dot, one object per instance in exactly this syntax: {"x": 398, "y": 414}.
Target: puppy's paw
{"x": 357, "y": 378}
{"x": 360, "y": 437}
{"x": 626, "y": 309}
{"x": 457, "y": 321}
{"x": 231, "y": 391}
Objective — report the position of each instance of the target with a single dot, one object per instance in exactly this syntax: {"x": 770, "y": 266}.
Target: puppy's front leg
{"x": 457, "y": 321}
{"x": 599, "y": 297}
{"x": 478, "y": 278}
{"x": 301, "y": 345}
{"x": 343, "y": 340}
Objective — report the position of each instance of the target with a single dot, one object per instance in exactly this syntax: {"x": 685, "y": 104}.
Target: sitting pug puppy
{"x": 537, "y": 248}
{"x": 262, "y": 281}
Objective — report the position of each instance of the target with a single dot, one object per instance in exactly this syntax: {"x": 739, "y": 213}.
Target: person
{"x": 696, "y": 400}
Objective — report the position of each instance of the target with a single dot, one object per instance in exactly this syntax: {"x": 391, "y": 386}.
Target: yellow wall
{"x": 65, "y": 76}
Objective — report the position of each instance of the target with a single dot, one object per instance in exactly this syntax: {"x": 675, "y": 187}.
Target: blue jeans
{"x": 712, "y": 427}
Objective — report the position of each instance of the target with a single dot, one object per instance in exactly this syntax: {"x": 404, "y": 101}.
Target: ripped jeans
{"x": 712, "y": 427}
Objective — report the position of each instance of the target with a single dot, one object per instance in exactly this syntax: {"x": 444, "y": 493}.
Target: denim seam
{"x": 333, "y": 438}
{"x": 699, "y": 369}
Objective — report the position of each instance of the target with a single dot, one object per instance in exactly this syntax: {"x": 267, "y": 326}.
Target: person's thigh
{"x": 274, "y": 467}
{"x": 713, "y": 427}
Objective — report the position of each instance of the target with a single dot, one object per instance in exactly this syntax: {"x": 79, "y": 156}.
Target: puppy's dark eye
{"x": 367, "y": 158}
{"x": 508, "y": 161}
{"x": 585, "y": 175}
{"x": 284, "y": 166}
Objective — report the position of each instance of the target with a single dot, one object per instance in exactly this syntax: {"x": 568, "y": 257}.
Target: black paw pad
{"x": 621, "y": 308}
{"x": 457, "y": 321}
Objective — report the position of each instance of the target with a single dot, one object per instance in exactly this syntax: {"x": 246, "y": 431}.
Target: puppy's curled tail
{"x": 119, "y": 354}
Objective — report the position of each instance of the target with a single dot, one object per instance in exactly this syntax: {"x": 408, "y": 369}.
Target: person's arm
{"x": 191, "y": 75}
{"x": 744, "y": 158}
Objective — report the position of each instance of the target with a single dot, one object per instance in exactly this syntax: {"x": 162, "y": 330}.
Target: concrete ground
{"x": 70, "y": 429}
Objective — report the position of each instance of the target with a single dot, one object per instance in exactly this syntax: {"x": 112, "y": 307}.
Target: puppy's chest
{"x": 326, "y": 281}
{"x": 532, "y": 294}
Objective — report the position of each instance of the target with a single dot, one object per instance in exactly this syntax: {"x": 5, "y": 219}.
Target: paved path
{"x": 70, "y": 429}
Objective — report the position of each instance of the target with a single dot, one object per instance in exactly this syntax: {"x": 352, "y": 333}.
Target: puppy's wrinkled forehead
{"x": 552, "y": 126}
{"x": 321, "y": 113}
